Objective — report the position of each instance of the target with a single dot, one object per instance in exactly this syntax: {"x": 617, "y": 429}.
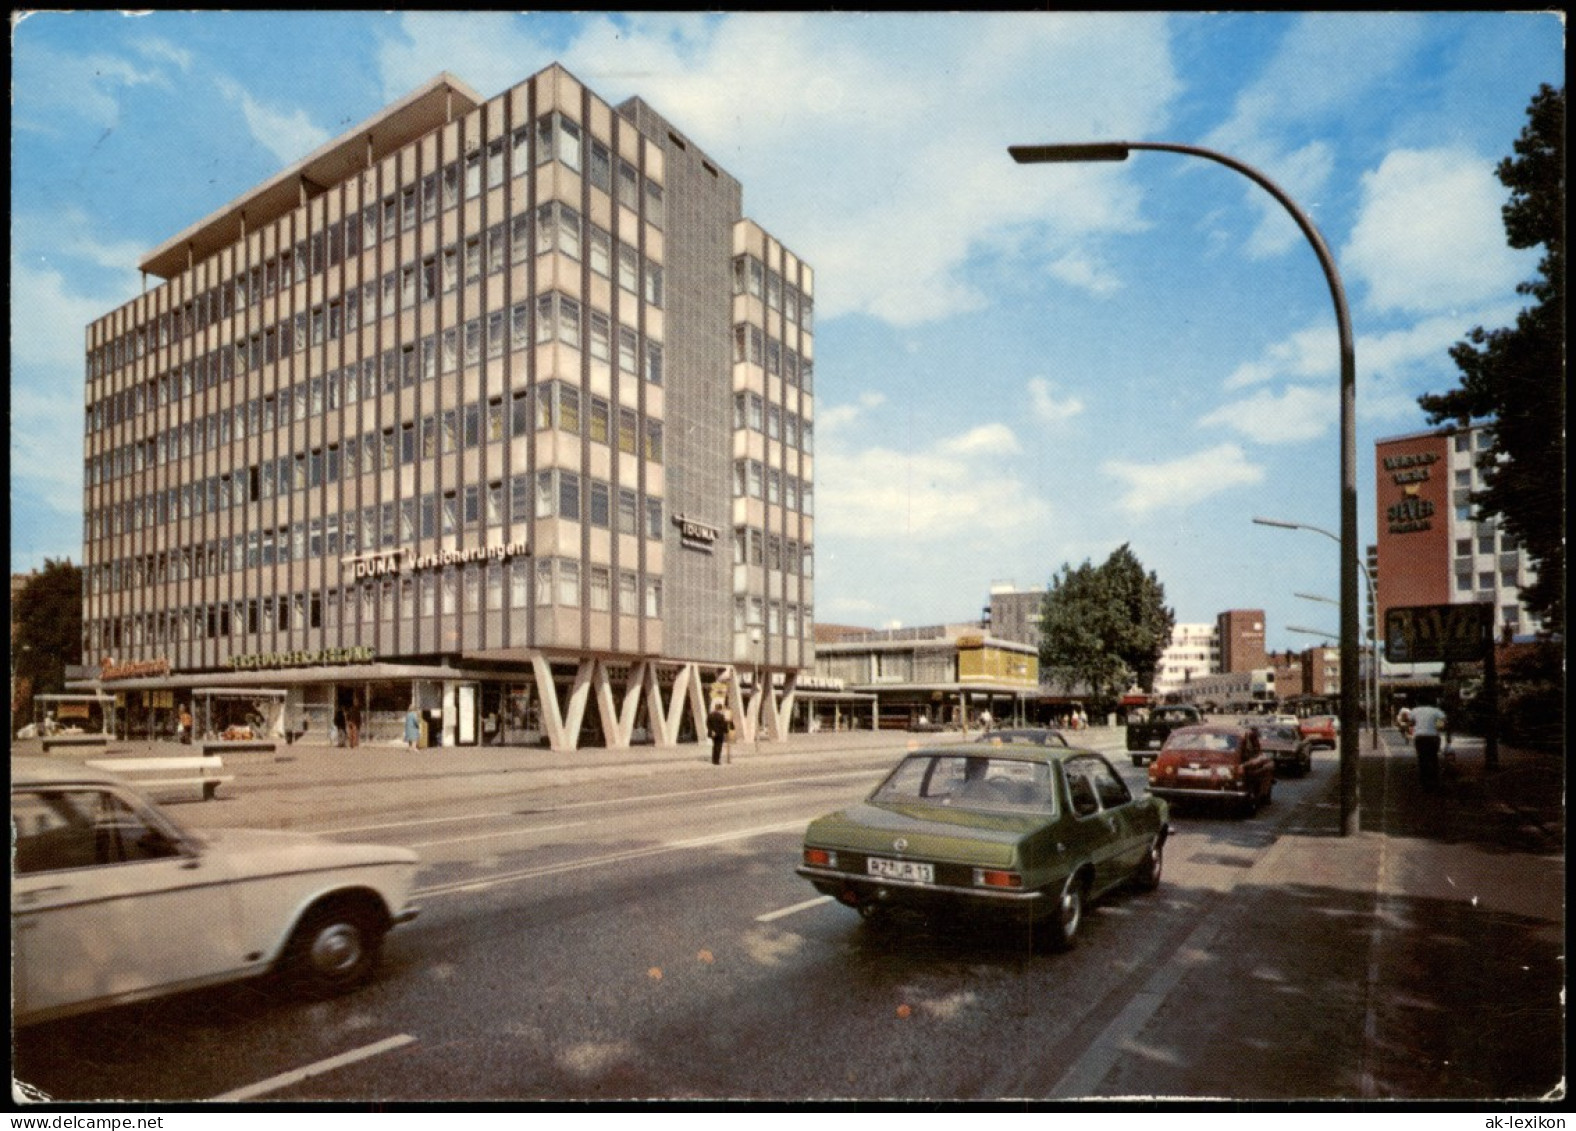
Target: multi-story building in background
{"x": 1015, "y": 613}
{"x": 1241, "y": 639}
{"x": 1430, "y": 549}
{"x": 1194, "y": 651}
{"x": 496, "y": 407}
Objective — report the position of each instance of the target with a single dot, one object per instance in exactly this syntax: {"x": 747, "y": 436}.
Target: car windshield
{"x": 970, "y": 782}
{"x": 1209, "y": 740}
{"x": 1283, "y": 734}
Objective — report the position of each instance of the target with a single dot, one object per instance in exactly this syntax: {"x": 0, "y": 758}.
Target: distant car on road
{"x": 112, "y": 901}
{"x": 1033, "y": 736}
{"x": 1022, "y": 831}
{"x": 1290, "y": 751}
{"x": 1147, "y": 736}
{"x": 1215, "y": 764}
{"x": 1321, "y": 730}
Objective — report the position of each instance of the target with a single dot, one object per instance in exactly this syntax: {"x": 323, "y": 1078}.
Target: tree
{"x": 1106, "y": 625}
{"x": 1513, "y": 378}
{"x": 48, "y": 619}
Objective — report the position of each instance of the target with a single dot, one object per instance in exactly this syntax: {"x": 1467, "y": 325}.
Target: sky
{"x": 1018, "y": 368}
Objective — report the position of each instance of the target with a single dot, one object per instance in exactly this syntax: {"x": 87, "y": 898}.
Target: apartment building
{"x": 1430, "y": 550}
{"x": 498, "y": 408}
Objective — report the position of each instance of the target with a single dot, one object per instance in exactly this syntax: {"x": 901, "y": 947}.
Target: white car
{"x": 113, "y": 902}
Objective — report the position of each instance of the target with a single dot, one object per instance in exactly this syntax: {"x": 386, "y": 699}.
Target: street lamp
{"x": 1119, "y": 151}
{"x": 1373, "y": 602}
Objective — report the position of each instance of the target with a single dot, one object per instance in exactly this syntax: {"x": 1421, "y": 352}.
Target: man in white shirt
{"x": 1428, "y": 726}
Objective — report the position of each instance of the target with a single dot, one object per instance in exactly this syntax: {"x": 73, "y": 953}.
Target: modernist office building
{"x": 499, "y": 407}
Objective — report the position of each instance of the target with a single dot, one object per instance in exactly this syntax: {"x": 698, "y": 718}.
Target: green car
{"x": 1022, "y": 831}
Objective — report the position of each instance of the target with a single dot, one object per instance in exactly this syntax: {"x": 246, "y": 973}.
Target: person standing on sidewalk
{"x": 353, "y": 726}
{"x": 717, "y": 729}
{"x": 1428, "y": 725}
{"x": 412, "y": 728}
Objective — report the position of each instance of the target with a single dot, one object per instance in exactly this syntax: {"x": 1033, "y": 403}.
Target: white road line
{"x": 784, "y": 912}
{"x": 603, "y": 803}
{"x": 285, "y": 1079}
{"x": 528, "y": 830}
{"x": 481, "y": 883}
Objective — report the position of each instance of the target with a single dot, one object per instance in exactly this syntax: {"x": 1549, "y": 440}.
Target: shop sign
{"x": 307, "y": 659}
{"x": 696, "y": 535}
{"x": 1426, "y": 634}
{"x": 391, "y": 562}
{"x": 1410, "y": 515}
{"x": 137, "y": 669}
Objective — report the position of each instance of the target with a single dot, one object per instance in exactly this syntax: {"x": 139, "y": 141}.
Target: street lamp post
{"x": 1373, "y": 600}
{"x": 1373, "y": 650}
{"x": 1119, "y": 151}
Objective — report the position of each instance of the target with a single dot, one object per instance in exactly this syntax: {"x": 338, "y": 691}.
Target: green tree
{"x": 1513, "y": 378}
{"x": 48, "y": 619}
{"x": 1105, "y": 625}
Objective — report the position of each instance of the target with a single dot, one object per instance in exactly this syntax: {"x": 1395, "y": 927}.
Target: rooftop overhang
{"x": 431, "y": 105}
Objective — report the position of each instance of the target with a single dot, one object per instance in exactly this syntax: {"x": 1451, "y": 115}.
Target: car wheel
{"x": 333, "y": 949}
{"x": 1137, "y": 761}
{"x": 1147, "y": 878}
{"x": 1062, "y": 927}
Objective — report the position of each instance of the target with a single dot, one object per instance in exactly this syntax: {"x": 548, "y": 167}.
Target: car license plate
{"x": 1193, "y": 772}
{"x": 911, "y": 870}
{"x": 1154, "y": 744}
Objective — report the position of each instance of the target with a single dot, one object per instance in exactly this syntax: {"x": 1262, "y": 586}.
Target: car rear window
{"x": 967, "y": 781}
{"x": 1208, "y": 740}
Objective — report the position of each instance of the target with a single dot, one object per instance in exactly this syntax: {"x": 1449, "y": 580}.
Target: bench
{"x": 238, "y": 746}
{"x": 167, "y": 775}
{"x": 53, "y": 740}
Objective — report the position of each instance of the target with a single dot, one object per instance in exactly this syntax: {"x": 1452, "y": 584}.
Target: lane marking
{"x": 605, "y": 802}
{"x": 784, "y": 912}
{"x": 483, "y": 882}
{"x": 529, "y": 831}
{"x": 285, "y": 1079}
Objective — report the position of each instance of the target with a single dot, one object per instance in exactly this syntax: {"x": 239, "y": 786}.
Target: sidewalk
{"x": 1419, "y": 959}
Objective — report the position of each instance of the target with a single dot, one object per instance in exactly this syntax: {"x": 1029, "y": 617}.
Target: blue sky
{"x": 1017, "y": 367}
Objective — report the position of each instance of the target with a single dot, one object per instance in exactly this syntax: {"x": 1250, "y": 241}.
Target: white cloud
{"x": 1323, "y": 72}
{"x": 288, "y": 134}
{"x": 88, "y": 86}
{"x": 1429, "y": 236}
{"x": 929, "y": 496}
{"x": 906, "y": 115}
{"x": 834, "y": 417}
{"x": 1307, "y": 353}
{"x": 1047, "y": 408}
{"x": 1298, "y": 413}
{"x": 1182, "y": 482}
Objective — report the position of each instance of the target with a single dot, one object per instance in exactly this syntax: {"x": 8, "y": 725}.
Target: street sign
{"x": 1426, "y": 634}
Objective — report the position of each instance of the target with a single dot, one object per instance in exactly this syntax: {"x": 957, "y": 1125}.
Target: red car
{"x": 1214, "y": 764}
{"x": 1321, "y": 730}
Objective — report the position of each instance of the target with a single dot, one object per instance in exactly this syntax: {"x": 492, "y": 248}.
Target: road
{"x": 646, "y": 938}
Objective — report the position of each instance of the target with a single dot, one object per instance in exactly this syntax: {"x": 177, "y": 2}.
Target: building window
{"x": 601, "y": 589}
{"x": 569, "y": 584}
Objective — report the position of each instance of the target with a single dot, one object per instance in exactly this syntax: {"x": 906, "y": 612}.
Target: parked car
{"x": 1146, "y": 737}
{"x": 1287, "y": 748}
{"x": 1321, "y": 730}
{"x": 1033, "y": 736}
{"x": 1217, "y": 764}
{"x": 1024, "y": 831}
{"x": 112, "y": 901}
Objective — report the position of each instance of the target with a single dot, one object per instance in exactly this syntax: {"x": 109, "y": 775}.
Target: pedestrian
{"x": 1428, "y": 725}
{"x": 339, "y": 726}
{"x": 717, "y": 729}
{"x": 412, "y": 728}
{"x": 985, "y": 720}
{"x": 353, "y": 726}
{"x": 1403, "y": 722}
{"x": 184, "y": 727}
